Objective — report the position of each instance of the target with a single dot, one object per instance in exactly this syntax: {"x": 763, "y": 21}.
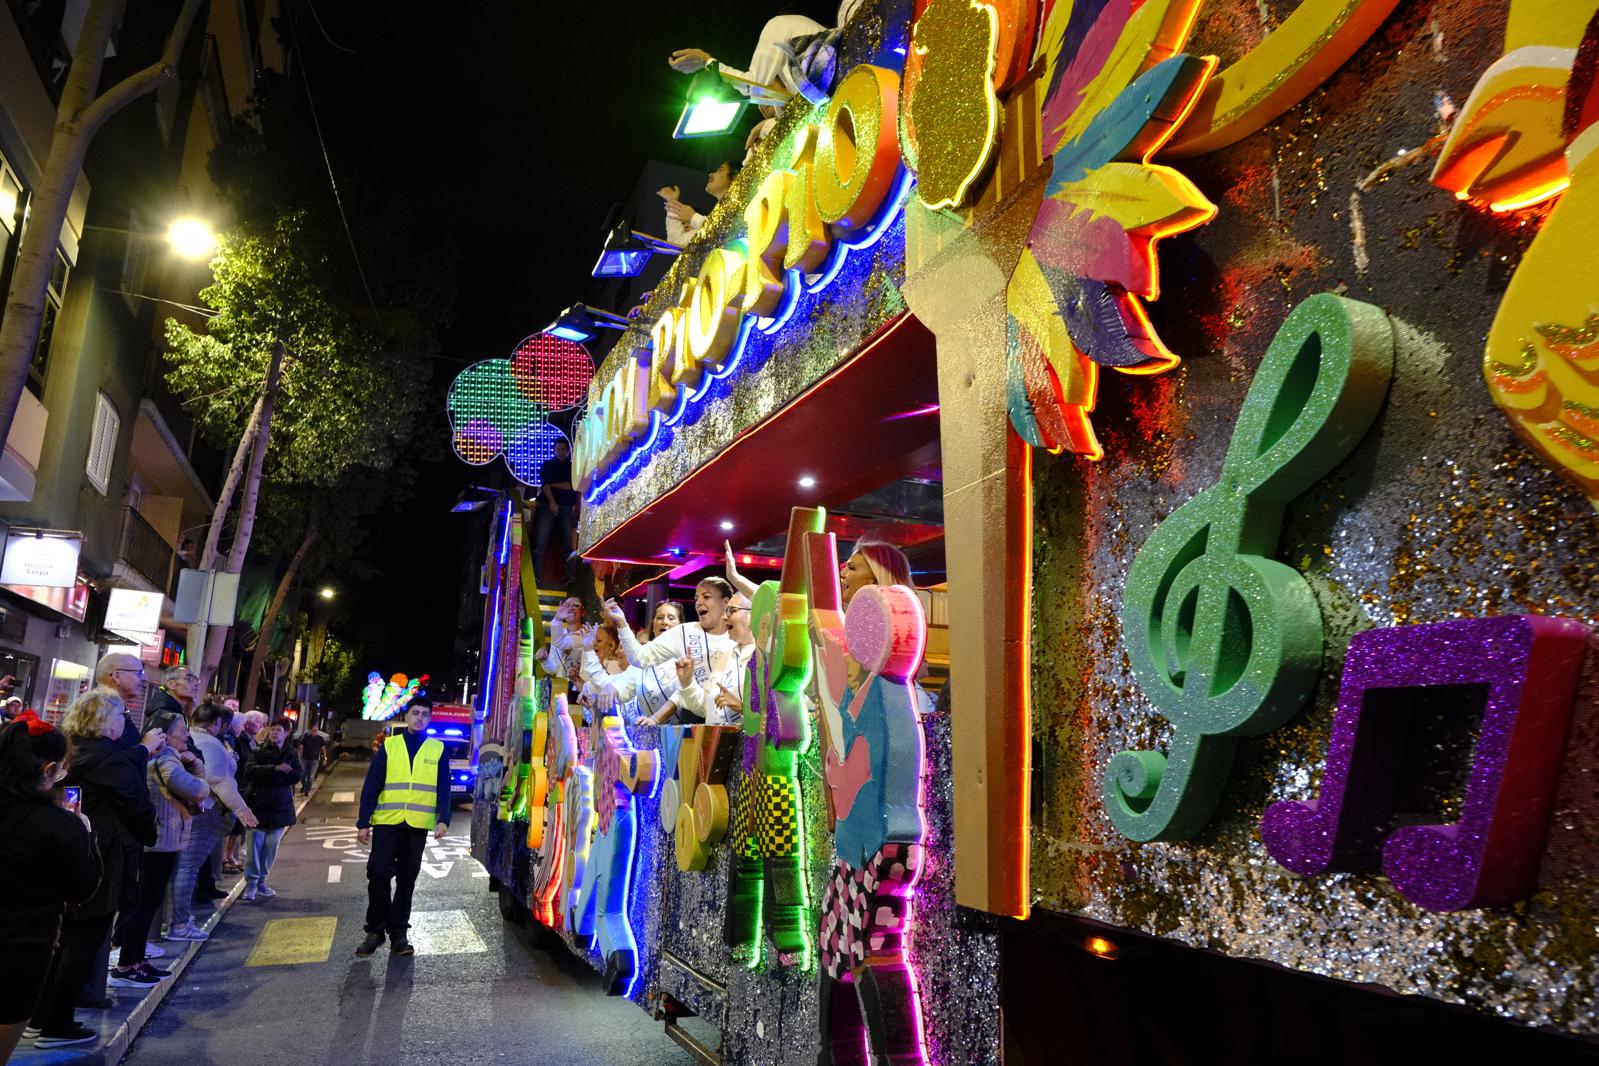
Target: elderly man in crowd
{"x": 179, "y": 687}
{"x": 123, "y": 674}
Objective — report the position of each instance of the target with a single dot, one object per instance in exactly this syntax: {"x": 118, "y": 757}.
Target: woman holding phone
{"x": 47, "y": 860}
{"x": 116, "y": 801}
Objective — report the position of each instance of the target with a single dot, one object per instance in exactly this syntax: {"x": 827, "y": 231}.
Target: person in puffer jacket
{"x": 273, "y": 772}
{"x": 175, "y": 779}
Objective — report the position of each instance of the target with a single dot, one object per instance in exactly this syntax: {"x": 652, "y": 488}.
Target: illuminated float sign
{"x": 844, "y": 187}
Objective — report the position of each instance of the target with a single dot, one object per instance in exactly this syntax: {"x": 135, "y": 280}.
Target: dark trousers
{"x": 555, "y": 522}
{"x": 134, "y": 926}
{"x": 396, "y": 856}
{"x": 128, "y": 897}
{"x": 70, "y": 966}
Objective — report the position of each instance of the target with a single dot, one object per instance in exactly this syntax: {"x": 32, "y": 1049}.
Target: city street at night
{"x": 799, "y": 533}
{"x": 278, "y": 980}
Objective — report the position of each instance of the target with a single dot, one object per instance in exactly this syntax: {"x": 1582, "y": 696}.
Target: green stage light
{"x": 713, "y": 107}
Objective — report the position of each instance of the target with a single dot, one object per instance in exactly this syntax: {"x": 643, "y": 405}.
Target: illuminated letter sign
{"x": 844, "y": 187}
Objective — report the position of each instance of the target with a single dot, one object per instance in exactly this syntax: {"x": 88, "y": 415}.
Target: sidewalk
{"x": 129, "y": 1011}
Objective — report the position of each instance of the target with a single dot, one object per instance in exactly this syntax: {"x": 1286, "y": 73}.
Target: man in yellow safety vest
{"x": 406, "y": 794}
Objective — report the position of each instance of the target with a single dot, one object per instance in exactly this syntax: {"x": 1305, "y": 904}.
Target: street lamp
{"x": 328, "y": 592}
{"x": 192, "y": 238}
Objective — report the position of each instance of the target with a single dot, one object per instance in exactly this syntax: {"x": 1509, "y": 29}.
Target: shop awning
{"x": 870, "y": 421}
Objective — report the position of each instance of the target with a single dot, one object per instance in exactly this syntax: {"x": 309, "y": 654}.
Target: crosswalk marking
{"x": 289, "y": 941}
{"x": 445, "y": 933}
{"x": 335, "y": 873}
{"x": 344, "y": 797}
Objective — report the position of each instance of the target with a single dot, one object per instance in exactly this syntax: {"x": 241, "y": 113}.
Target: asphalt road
{"x": 278, "y": 982}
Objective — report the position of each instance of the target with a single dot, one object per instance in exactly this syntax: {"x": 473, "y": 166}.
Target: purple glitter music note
{"x": 1525, "y": 671}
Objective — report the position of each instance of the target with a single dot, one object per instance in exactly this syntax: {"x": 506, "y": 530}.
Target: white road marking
{"x": 334, "y": 874}
{"x": 445, "y": 933}
{"x": 344, "y": 797}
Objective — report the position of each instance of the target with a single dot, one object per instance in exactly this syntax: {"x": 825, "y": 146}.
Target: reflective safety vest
{"x": 410, "y": 790}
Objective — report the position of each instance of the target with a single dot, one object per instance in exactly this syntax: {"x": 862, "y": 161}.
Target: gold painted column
{"x": 956, "y": 283}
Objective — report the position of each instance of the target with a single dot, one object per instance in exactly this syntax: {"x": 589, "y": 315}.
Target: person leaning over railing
{"x": 48, "y": 859}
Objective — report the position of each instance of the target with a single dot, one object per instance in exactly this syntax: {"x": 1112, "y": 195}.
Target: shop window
{"x": 103, "y": 444}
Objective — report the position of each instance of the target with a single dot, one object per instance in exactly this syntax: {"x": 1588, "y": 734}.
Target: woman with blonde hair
{"x": 116, "y": 800}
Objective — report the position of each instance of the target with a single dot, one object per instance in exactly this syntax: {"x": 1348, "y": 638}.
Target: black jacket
{"x": 116, "y": 800}
{"x": 47, "y": 859}
{"x": 268, "y": 790}
{"x": 162, "y": 701}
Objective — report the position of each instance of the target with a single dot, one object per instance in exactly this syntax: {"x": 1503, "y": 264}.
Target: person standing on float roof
{"x": 406, "y": 796}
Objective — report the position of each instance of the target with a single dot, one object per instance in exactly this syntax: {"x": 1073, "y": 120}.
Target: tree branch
{"x": 147, "y": 80}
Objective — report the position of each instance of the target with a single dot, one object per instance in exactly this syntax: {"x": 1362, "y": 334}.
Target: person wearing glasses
{"x": 176, "y": 695}
{"x": 719, "y": 700}
{"x": 123, "y": 674}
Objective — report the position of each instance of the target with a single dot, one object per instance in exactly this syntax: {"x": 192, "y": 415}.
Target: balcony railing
{"x": 146, "y": 551}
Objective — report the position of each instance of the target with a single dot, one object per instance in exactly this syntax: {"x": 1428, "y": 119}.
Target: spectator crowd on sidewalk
{"x": 106, "y": 827}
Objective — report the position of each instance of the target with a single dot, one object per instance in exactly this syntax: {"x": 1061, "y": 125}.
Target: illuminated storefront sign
{"x": 845, "y": 186}
{"x": 134, "y": 613}
{"x": 41, "y": 558}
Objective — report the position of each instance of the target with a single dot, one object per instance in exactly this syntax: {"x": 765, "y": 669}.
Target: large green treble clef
{"x": 1225, "y": 640}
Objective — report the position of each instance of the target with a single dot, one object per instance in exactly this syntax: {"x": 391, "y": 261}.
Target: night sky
{"x": 513, "y": 130}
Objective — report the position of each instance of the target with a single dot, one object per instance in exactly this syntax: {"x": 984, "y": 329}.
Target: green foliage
{"x": 335, "y": 674}
{"x": 350, "y": 385}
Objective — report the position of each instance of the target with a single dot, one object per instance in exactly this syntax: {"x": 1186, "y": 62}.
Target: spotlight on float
{"x": 627, "y": 252}
{"x": 582, "y": 323}
{"x": 713, "y": 107}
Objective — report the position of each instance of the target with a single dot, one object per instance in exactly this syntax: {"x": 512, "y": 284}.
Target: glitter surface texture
{"x": 1520, "y": 674}
{"x": 1439, "y": 513}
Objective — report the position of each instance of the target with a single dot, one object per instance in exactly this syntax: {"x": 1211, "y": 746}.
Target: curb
{"x": 116, "y": 1046}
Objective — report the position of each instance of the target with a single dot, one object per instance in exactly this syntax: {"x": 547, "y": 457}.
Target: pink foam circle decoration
{"x": 886, "y": 630}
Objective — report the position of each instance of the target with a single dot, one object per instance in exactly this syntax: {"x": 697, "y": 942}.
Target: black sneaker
{"x": 372, "y": 942}
{"x": 133, "y": 977}
{"x": 402, "y": 947}
{"x": 75, "y": 1033}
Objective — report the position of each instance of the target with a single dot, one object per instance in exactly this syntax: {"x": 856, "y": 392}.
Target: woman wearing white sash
{"x": 720, "y": 701}
{"x": 704, "y": 649}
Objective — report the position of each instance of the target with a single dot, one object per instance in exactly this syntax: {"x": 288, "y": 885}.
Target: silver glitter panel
{"x": 1439, "y": 513}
